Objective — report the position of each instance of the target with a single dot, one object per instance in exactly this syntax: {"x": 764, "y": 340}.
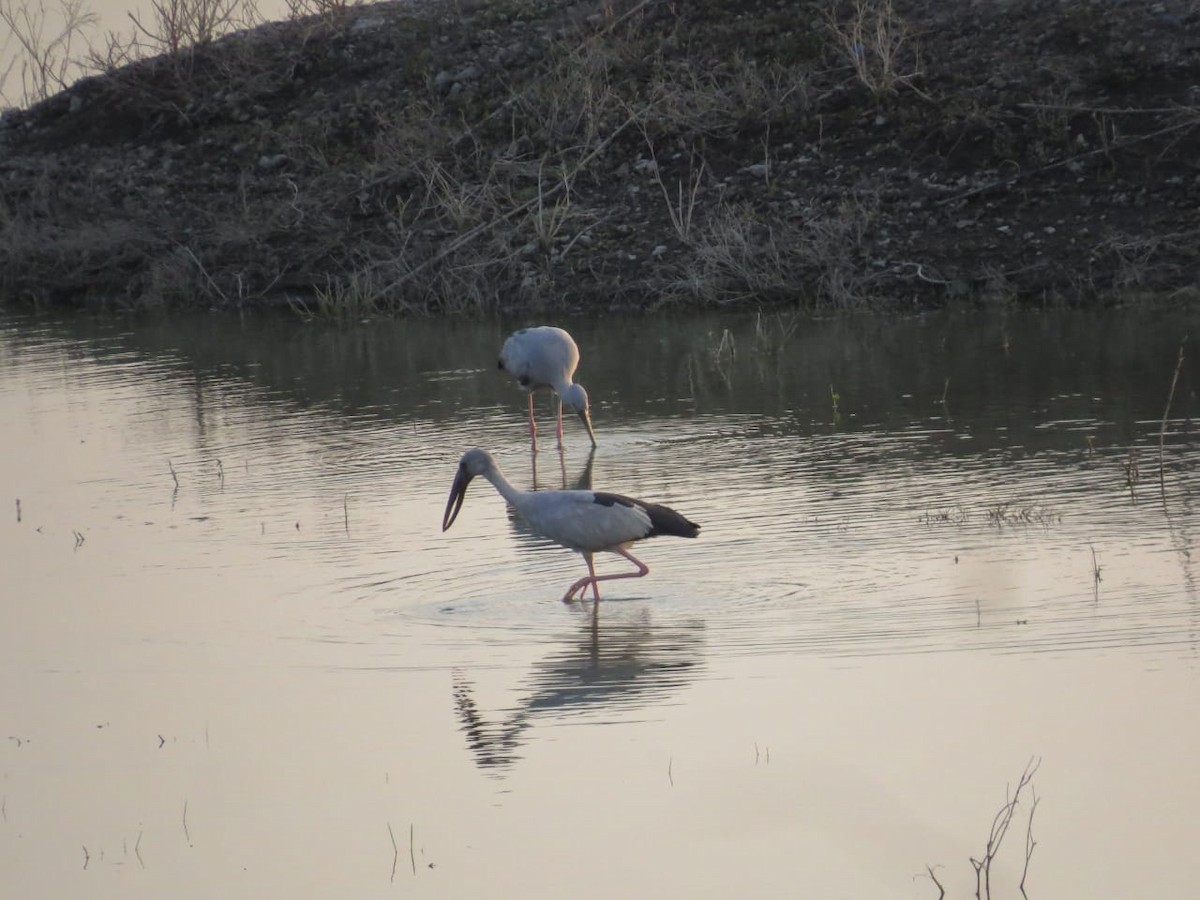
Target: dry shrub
{"x": 878, "y": 43}
{"x": 43, "y": 42}
{"x": 737, "y": 256}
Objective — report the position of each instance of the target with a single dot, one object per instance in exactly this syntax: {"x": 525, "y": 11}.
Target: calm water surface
{"x": 239, "y": 656}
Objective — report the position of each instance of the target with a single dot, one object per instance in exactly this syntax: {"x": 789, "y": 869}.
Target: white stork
{"x": 546, "y": 357}
{"x": 586, "y": 521}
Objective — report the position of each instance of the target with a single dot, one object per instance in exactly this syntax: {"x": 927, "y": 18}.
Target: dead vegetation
{"x": 454, "y": 157}
{"x": 1022, "y": 793}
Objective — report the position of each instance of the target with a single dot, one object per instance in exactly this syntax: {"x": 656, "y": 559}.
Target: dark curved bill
{"x": 586, "y": 417}
{"x": 458, "y": 493}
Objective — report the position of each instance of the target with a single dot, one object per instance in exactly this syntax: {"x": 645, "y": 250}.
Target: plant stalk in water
{"x": 1162, "y": 481}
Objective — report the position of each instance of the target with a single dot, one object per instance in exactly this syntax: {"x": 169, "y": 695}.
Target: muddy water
{"x": 239, "y": 656}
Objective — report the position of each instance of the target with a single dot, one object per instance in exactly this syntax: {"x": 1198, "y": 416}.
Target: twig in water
{"x": 1030, "y": 843}
{"x": 173, "y": 475}
{"x": 670, "y": 763}
{"x": 1133, "y": 473}
{"x": 1000, "y": 823}
{"x": 137, "y": 851}
{"x": 186, "y": 835}
{"x": 18, "y": 509}
{"x": 395, "y": 851}
{"x": 87, "y": 857}
{"x": 412, "y": 857}
{"x": 1095, "y": 574}
{"x": 934, "y": 879}
{"x": 220, "y": 473}
{"x": 346, "y": 512}
{"x": 1162, "y": 483}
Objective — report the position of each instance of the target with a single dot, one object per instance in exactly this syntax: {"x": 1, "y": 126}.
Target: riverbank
{"x": 537, "y": 155}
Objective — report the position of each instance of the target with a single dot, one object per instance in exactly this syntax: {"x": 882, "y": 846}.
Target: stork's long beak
{"x": 458, "y": 493}
{"x": 585, "y": 416}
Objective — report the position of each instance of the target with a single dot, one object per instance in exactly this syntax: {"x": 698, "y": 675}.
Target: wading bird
{"x": 546, "y": 357}
{"x": 589, "y": 522}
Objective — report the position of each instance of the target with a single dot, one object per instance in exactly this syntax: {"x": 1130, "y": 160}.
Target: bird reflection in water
{"x": 582, "y": 482}
{"x": 622, "y": 663}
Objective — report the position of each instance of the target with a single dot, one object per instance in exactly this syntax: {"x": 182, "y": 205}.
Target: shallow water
{"x": 239, "y": 655}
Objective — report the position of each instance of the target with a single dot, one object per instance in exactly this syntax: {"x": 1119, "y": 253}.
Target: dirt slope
{"x": 539, "y": 154}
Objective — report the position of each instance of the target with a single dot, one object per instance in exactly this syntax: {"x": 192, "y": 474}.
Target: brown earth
{"x": 539, "y": 154}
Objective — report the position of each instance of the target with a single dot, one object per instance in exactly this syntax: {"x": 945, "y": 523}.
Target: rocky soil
{"x": 539, "y": 154}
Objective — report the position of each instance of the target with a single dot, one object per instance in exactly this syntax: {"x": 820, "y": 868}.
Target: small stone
{"x": 270, "y": 163}
{"x": 368, "y": 23}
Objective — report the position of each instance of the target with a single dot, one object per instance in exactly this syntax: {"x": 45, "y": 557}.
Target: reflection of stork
{"x": 583, "y": 482}
{"x": 585, "y": 521}
{"x": 626, "y": 663}
{"x": 546, "y": 357}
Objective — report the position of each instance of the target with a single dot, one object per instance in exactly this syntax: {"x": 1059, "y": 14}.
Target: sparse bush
{"x": 878, "y": 44}
{"x": 326, "y": 9}
{"x": 177, "y": 25}
{"x": 738, "y": 256}
{"x": 694, "y": 103}
{"x": 43, "y": 43}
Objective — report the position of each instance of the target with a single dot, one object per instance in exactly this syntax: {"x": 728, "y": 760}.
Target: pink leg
{"x": 593, "y": 579}
{"x": 532, "y": 423}
{"x": 590, "y": 578}
{"x": 560, "y": 405}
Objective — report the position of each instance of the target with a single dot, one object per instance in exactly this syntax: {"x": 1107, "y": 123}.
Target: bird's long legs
{"x": 593, "y": 579}
{"x": 558, "y": 425}
{"x": 532, "y": 424}
{"x": 562, "y": 466}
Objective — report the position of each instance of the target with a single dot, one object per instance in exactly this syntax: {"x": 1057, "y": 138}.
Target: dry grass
{"x": 736, "y": 256}
{"x": 877, "y": 42}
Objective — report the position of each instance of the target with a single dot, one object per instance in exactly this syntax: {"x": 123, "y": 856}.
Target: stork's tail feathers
{"x": 663, "y": 519}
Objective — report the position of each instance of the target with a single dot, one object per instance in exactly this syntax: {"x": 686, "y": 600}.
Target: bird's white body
{"x": 541, "y": 357}
{"x": 545, "y": 357}
{"x": 575, "y": 520}
{"x": 588, "y": 522}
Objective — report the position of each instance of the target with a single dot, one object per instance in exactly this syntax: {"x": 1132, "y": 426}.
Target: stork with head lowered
{"x": 546, "y": 357}
{"x": 588, "y": 522}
